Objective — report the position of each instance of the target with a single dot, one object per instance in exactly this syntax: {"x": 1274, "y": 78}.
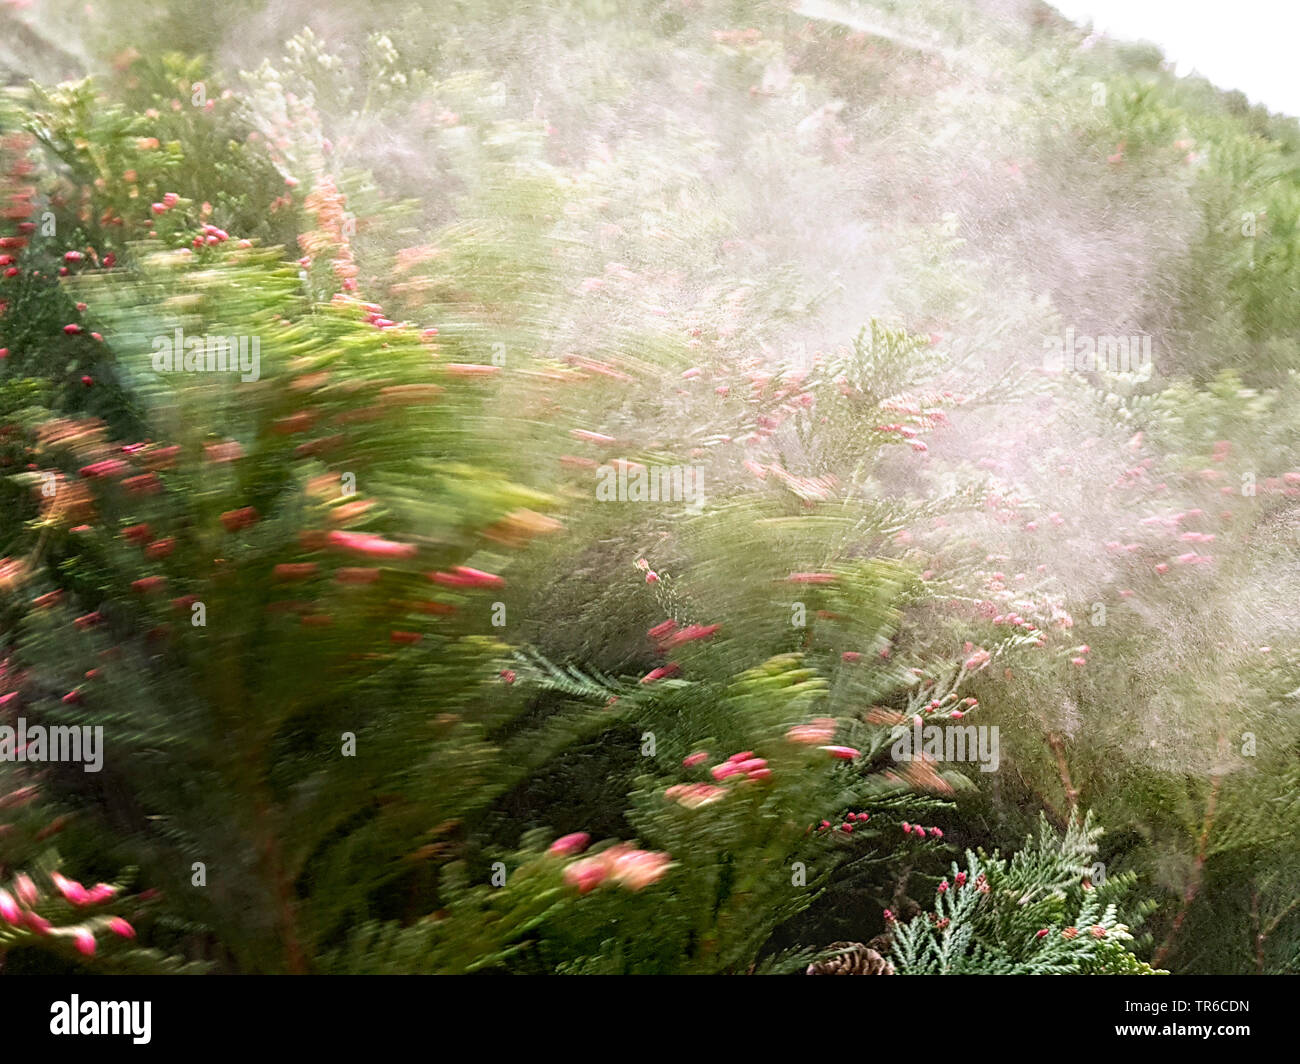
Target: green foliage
{"x": 1038, "y": 913}
{"x": 612, "y": 237}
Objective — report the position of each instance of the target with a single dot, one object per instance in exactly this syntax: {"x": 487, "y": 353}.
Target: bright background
{"x": 1248, "y": 45}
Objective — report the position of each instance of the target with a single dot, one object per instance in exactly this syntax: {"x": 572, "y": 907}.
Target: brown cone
{"x": 851, "y": 958}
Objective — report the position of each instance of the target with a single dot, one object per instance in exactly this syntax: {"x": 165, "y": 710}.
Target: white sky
{"x": 1248, "y": 45}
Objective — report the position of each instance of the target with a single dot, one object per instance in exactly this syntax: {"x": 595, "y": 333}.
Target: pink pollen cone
{"x": 371, "y": 546}
{"x": 8, "y": 907}
{"x": 586, "y": 874}
{"x": 567, "y": 845}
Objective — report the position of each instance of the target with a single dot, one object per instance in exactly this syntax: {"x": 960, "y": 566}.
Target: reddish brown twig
{"x": 1198, "y": 870}
{"x": 1071, "y": 795}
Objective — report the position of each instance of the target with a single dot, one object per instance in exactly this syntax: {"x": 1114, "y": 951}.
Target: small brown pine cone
{"x": 851, "y": 958}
